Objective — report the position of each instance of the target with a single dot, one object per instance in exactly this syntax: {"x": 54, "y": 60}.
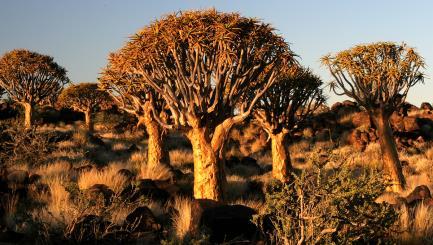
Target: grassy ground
{"x": 56, "y": 208}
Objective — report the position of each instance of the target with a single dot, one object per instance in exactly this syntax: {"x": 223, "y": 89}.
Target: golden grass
{"x": 107, "y": 176}
{"x": 59, "y": 168}
{"x": 158, "y": 172}
{"x": 182, "y": 220}
{"x": 181, "y": 156}
{"x": 416, "y": 226}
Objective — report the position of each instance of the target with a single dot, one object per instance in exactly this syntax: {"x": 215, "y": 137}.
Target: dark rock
{"x": 133, "y": 148}
{"x": 251, "y": 162}
{"x": 361, "y": 119}
{"x": 19, "y": 177}
{"x": 95, "y": 139}
{"x": 145, "y": 188}
{"x": 417, "y": 195}
{"x": 116, "y": 236}
{"x": 228, "y": 222}
{"x": 232, "y": 161}
{"x": 426, "y": 106}
{"x": 34, "y": 178}
{"x": 142, "y": 219}
{"x": 88, "y": 228}
{"x": 59, "y": 136}
{"x": 126, "y": 173}
{"x": 12, "y": 237}
{"x": 100, "y": 190}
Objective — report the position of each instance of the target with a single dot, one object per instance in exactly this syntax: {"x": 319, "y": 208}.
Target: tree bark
{"x": 209, "y": 175}
{"x": 391, "y": 162}
{"x": 281, "y": 164}
{"x": 88, "y": 120}
{"x": 157, "y": 153}
{"x": 28, "y": 115}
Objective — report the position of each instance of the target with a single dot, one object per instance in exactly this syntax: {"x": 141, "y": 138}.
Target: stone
{"x": 143, "y": 220}
{"x": 145, "y": 188}
{"x": 228, "y": 222}
{"x": 417, "y": 195}
{"x": 100, "y": 190}
{"x": 426, "y": 106}
{"x": 361, "y": 119}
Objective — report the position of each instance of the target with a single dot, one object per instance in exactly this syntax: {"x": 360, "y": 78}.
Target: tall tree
{"x": 30, "y": 79}
{"x": 293, "y": 98}
{"x": 378, "y": 76}
{"x": 139, "y": 101}
{"x": 86, "y": 98}
{"x": 201, "y": 63}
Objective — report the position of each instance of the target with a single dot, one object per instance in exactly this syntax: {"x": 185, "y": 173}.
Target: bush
{"x": 335, "y": 209}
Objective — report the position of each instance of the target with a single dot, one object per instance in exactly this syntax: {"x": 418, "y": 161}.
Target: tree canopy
{"x": 84, "y": 97}
{"x": 29, "y": 77}
{"x": 201, "y": 62}
{"x": 376, "y": 75}
{"x": 295, "y": 95}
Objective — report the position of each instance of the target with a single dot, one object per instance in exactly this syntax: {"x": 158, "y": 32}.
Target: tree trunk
{"x": 209, "y": 176}
{"x": 281, "y": 164}
{"x": 391, "y": 162}
{"x": 88, "y": 120}
{"x": 28, "y": 115}
{"x": 157, "y": 153}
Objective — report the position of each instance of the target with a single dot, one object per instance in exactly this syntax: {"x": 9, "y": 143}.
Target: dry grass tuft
{"x": 107, "y": 176}
{"x": 158, "y": 172}
{"x": 180, "y": 157}
{"x": 182, "y": 220}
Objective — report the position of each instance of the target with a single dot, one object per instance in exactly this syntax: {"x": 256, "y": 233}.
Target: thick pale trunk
{"x": 88, "y": 120}
{"x": 281, "y": 164}
{"x": 209, "y": 175}
{"x": 157, "y": 153}
{"x": 391, "y": 162}
{"x": 28, "y": 115}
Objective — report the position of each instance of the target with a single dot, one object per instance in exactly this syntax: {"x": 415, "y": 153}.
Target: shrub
{"x": 333, "y": 209}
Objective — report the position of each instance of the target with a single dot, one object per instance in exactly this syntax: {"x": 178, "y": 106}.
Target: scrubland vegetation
{"x": 205, "y": 129}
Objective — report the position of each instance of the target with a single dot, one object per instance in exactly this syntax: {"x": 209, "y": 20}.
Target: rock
{"x": 88, "y": 228}
{"x": 251, "y": 162}
{"x": 361, "y": 119}
{"x": 98, "y": 190}
{"x": 426, "y": 106}
{"x": 18, "y": 177}
{"x": 126, "y": 174}
{"x": 145, "y": 188}
{"x": 171, "y": 188}
{"x": 34, "y": 178}
{"x": 232, "y": 161}
{"x": 228, "y": 222}
{"x": 118, "y": 236}
{"x": 142, "y": 219}
{"x": 59, "y": 136}
{"x": 12, "y": 237}
{"x": 396, "y": 122}
{"x": 417, "y": 195}
{"x": 95, "y": 139}
{"x": 133, "y": 148}
{"x": 410, "y": 124}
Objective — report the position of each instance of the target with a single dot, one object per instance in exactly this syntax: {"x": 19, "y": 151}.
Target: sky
{"x": 80, "y": 34}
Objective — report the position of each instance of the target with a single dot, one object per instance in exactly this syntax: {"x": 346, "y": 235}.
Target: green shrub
{"x": 338, "y": 208}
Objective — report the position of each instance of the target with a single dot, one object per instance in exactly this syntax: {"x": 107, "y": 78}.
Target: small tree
{"x": 30, "y": 79}
{"x": 378, "y": 76}
{"x": 85, "y": 98}
{"x": 202, "y": 63}
{"x": 139, "y": 101}
{"x": 295, "y": 95}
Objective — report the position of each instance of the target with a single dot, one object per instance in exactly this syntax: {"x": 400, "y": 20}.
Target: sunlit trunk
{"x": 157, "y": 153}
{"x": 28, "y": 115}
{"x": 209, "y": 175}
{"x": 88, "y": 120}
{"x": 281, "y": 164}
{"x": 391, "y": 162}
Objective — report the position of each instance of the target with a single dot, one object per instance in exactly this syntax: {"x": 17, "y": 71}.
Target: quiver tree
{"x": 139, "y": 101}
{"x": 378, "y": 76}
{"x": 86, "y": 98}
{"x": 290, "y": 101}
{"x": 201, "y": 63}
{"x": 31, "y": 79}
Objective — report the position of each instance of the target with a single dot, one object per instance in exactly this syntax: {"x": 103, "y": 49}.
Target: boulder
{"x": 426, "y": 106}
{"x": 229, "y": 222}
{"x": 250, "y": 162}
{"x": 142, "y": 220}
{"x": 126, "y": 173}
{"x": 98, "y": 190}
{"x": 419, "y": 194}
{"x": 361, "y": 119}
{"x": 145, "y": 188}
{"x": 410, "y": 124}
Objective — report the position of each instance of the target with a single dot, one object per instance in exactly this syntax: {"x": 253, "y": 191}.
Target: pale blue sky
{"x": 79, "y": 34}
